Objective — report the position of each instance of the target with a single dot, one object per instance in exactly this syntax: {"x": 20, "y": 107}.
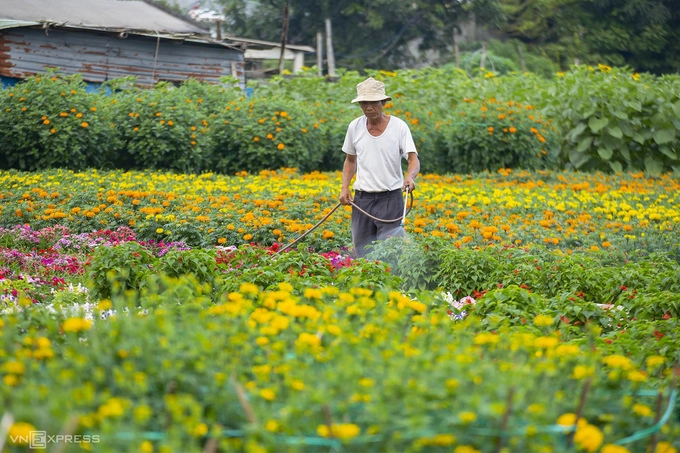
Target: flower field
{"x": 524, "y": 312}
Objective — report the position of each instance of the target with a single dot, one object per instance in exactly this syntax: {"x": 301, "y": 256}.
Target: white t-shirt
{"x": 379, "y": 158}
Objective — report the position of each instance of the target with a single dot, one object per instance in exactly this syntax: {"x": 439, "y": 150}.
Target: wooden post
{"x": 284, "y": 34}
{"x": 579, "y": 411}
{"x": 319, "y": 53}
{"x": 456, "y": 50}
{"x": 329, "y": 48}
{"x": 521, "y": 58}
{"x": 218, "y": 30}
{"x": 482, "y": 61}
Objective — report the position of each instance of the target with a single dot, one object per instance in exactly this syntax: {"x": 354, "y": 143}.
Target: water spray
{"x": 408, "y": 193}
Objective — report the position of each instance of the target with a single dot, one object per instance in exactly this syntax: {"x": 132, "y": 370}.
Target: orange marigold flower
{"x": 84, "y": 124}
{"x": 280, "y": 146}
{"x": 513, "y": 130}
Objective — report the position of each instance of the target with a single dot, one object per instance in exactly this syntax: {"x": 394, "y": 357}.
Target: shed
{"x": 107, "y": 39}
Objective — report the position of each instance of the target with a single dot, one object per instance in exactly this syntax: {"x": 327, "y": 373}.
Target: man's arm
{"x": 413, "y": 169}
{"x": 348, "y": 170}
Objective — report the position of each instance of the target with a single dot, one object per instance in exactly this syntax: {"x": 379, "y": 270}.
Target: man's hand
{"x": 346, "y": 197}
{"x": 409, "y": 185}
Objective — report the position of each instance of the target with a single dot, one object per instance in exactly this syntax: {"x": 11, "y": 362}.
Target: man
{"x": 374, "y": 146}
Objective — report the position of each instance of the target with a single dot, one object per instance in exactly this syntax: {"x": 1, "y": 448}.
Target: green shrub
{"x": 489, "y": 135}
{"x": 50, "y": 121}
{"x": 114, "y": 270}
{"x": 617, "y": 121}
{"x": 258, "y": 134}
{"x": 163, "y": 128}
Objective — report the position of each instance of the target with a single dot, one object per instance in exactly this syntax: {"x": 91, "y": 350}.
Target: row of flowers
{"x": 566, "y": 211}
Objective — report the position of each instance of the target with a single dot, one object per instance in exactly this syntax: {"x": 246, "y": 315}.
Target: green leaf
{"x": 616, "y": 166}
{"x": 639, "y": 138}
{"x": 653, "y": 166}
{"x": 615, "y": 131}
{"x": 663, "y": 136}
{"x": 576, "y": 131}
{"x": 635, "y": 105}
{"x": 596, "y": 124}
{"x": 578, "y": 159}
{"x": 584, "y": 144}
{"x": 668, "y": 152}
{"x": 605, "y": 153}
{"x": 619, "y": 114}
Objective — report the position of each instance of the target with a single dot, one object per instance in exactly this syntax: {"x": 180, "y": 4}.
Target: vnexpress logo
{"x": 38, "y": 439}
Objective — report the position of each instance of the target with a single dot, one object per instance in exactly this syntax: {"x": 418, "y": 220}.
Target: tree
{"x": 367, "y": 33}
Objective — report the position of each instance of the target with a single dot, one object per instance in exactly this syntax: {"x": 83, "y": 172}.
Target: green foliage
{"x": 163, "y": 128}
{"x": 491, "y": 135}
{"x": 615, "y": 121}
{"x": 114, "y": 270}
{"x": 197, "y": 262}
{"x": 257, "y": 134}
{"x": 50, "y": 121}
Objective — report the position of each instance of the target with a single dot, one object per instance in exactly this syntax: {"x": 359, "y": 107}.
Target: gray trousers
{"x": 383, "y": 205}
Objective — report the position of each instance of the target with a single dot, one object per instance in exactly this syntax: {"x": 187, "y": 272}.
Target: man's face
{"x": 372, "y": 109}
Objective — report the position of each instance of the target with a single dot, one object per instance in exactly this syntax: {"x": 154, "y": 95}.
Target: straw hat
{"x": 371, "y": 90}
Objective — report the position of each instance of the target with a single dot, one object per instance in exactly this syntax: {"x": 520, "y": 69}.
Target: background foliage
{"x": 589, "y": 118}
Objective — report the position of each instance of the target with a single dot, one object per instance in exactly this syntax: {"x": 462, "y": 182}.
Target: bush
{"x": 257, "y": 134}
{"x": 489, "y": 135}
{"x": 49, "y": 121}
{"x": 163, "y": 128}
{"x": 616, "y": 121}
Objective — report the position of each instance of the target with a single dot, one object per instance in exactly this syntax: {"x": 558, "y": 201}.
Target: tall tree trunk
{"x": 329, "y": 48}
{"x": 284, "y": 34}
{"x": 319, "y": 53}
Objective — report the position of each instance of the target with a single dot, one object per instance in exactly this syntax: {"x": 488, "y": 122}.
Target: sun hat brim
{"x": 369, "y": 98}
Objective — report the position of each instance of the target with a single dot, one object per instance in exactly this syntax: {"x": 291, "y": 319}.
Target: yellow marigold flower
{"x": 467, "y": 417}
{"x": 159, "y": 230}
{"x": 344, "y": 431}
{"x": 611, "y": 448}
{"x": 665, "y": 447}
{"x": 588, "y": 437}
{"x": 313, "y": 293}
{"x": 583, "y": 371}
{"x": 200, "y": 430}
{"x": 256, "y": 139}
{"x": 618, "y": 361}
{"x": 280, "y": 146}
{"x": 76, "y": 325}
{"x": 268, "y": 394}
{"x": 297, "y": 384}
{"x": 247, "y": 237}
{"x": 221, "y": 240}
{"x": 655, "y": 360}
{"x": 543, "y": 320}
{"x": 20, "y": 433}
{"x": 637, "y": 376}
{"x": 642, "y": 410}
{"x": 146, "y": 447}
{"x": 546, "y": 342}
{"x": 84, "y": 124}
{"x": 272, "y": 425}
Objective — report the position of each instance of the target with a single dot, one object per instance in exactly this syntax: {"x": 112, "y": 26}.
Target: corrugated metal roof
{"x": 7, "y": 23}
{"x": 259, "y": 44}
{"x": 100, "y": 56}
{"x": 98, "y": 14}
